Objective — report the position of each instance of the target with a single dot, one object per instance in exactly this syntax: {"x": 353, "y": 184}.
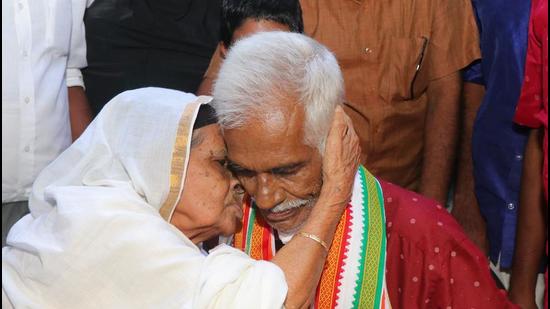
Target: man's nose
{"x": 268, "y": 192}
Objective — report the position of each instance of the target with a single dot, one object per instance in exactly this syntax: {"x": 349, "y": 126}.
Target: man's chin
{"x": 287, "y": 221}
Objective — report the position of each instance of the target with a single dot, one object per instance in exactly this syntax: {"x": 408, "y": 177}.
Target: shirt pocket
{"x": 59, "y": 26}
{"x": 407, "y": 71}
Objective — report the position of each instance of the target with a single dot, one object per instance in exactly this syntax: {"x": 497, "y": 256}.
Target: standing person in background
{"x": 532, "y": 111}
{"x": 44, "y": 107}
{"x": 161, "y": 43}
{"x": 496, "y": 143}
{"x": 241, "y": 18}
{"x": 401, "y": 62}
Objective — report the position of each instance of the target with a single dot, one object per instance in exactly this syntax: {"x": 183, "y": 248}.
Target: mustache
{"x": 284, "y": 206}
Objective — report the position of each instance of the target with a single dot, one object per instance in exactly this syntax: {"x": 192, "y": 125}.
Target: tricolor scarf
{"x": 354, "y": 274}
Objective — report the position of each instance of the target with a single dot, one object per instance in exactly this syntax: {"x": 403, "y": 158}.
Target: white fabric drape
{"x": 95, "y": 239}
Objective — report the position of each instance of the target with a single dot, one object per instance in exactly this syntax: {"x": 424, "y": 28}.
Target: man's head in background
{"x": 242, "y": 18}
{"x": 275, "y": 98}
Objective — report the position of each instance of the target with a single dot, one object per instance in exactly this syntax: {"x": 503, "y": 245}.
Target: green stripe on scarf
{"x": 373, "y": 255}
{"x": 359, "y": 286}
{"x": 382, "y": 262}
{"x": 250, "y": 228}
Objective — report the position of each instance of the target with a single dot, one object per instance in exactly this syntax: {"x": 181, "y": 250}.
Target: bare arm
{"x": 440, "y": 137}
{"x": 340, "y": 164}
{"x": 531, "y": 228}
{"x": 80, "y": 112}
{"x": 465, "y": 207}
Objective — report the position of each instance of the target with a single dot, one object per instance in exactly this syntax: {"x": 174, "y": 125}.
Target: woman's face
{"x": 209, "y": 204}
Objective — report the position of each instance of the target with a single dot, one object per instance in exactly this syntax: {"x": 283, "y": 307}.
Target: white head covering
{"x": 98, "y": 234}
{"x": 129, "y": 146}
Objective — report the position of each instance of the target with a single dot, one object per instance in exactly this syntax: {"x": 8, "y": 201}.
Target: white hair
{"x": 269, "y": 67}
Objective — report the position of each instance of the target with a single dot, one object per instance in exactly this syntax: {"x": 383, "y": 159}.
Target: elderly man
{"x": 275, "y": 96}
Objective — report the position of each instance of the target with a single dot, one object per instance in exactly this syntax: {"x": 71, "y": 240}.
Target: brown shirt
{"x": 379, "y": 45}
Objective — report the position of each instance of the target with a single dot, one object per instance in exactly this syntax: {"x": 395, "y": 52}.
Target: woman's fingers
{"x": 342, "y": 155}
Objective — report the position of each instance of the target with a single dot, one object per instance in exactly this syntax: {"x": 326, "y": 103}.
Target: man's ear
{"x": 223, "y": 50}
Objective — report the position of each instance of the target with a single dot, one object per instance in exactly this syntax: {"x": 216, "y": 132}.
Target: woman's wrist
{"x": 316, "y": 238}
{"x": 333, "y": 199}
{"x": 338, "y": 184}
{"x": 323, "y": 220}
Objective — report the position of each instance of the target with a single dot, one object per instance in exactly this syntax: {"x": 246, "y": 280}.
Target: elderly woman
{"x": 117, "y": 220}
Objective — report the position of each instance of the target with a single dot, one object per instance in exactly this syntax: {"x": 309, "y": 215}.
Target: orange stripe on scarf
{"x": 327, "y": 291}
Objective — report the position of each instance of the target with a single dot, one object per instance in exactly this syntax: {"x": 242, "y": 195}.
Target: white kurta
{"x": 95, "y": 239}
{"x": 43, "y": 50}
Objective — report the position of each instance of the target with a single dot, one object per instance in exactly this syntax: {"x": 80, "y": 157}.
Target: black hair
{"x": 235, "y": 12}
{"x": 205, "y": 117}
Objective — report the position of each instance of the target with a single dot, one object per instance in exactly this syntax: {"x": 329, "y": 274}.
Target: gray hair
{"x": 268, "y": 67}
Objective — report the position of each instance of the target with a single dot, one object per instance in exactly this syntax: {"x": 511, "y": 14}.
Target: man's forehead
{"x": 265, "y": 155}
{"x": 269, "y": 139}
{"x": 275, "y": 120}
{"x": 258, "y": 152}
{"x": 283, "y": 117}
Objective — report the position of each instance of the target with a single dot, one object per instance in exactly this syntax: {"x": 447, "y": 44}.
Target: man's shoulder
{"x": 416, "y": 217}
{"x": 427, "y": 245}
{"x": 400, "y": 202}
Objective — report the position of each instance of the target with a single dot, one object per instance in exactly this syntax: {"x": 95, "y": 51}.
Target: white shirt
{"x": 43, "y": 49}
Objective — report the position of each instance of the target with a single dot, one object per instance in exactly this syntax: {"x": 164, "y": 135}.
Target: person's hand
{"x": 341, "y": 159}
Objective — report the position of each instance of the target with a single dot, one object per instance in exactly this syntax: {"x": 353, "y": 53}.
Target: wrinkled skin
{"x": 207, "y": 207}
{"x": 274, "y": 165}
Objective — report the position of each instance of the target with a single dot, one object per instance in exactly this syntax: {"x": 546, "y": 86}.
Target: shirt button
{"x": 27, "y": 148}
{"x": 24, "y": 53}
{"x": 511, "y": 206}
{"x": 519, "y": 157}
{"x": 27, "y": 100}
{"x": 20, "y": 6}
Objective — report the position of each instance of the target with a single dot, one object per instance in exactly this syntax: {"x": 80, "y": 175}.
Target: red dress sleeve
{"x": 430, "y": 261}
{"x": 530, "y": 111}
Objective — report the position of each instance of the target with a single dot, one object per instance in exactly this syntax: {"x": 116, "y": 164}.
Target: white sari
{"x": 98, "y": 234}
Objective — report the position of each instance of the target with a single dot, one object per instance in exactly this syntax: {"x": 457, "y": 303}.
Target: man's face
{"x": 275, "y": 167}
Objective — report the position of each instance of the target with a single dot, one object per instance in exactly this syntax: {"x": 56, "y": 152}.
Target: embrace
{"x": 270, "y": 165}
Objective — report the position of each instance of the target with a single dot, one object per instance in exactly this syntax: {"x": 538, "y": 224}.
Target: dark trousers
{"x": 11, "y": 213}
